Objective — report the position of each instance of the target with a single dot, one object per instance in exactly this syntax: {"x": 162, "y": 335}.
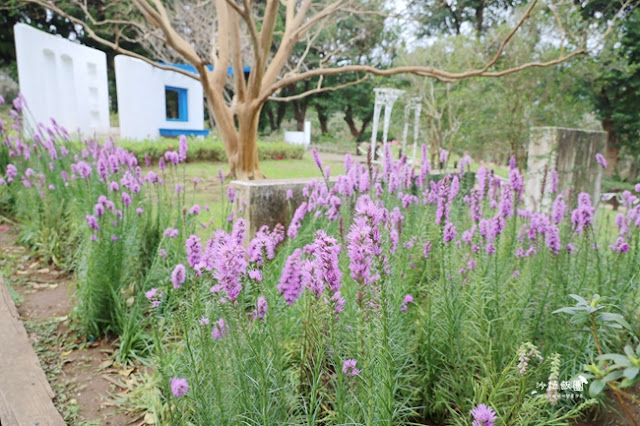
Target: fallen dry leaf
{"x": 113, "y": 381}
{"x": 149, "y": 419}
{"x": 66, "y": 353}
{"x": 105, "y": 364}
{"x": 126, "y": 373}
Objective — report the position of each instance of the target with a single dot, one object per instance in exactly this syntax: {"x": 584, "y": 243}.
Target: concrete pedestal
{"x": 264, "y": 202}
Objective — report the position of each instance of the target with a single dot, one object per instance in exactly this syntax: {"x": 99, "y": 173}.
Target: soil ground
{"x": 81, "y": 374}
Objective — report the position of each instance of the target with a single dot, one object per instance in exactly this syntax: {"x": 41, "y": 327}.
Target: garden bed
{"x": 393, "y": 296}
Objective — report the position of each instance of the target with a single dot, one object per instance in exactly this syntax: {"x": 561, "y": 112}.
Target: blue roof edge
{"x": 190, "y": 68}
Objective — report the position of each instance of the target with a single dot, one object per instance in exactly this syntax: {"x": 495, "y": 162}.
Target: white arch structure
{"x": 415, "y": 105}
{"x": 384, "y": 97}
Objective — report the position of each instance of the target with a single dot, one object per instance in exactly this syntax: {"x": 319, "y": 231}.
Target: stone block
{"x": 263, "y": 202}
{"x": 572, "y": 153}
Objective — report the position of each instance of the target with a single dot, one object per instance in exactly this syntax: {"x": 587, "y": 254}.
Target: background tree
{"x": 491, "y": 118}
{"x": 240, "y": 29}
{"x": 443, "y": 17}
{"x": 611, "y": 81}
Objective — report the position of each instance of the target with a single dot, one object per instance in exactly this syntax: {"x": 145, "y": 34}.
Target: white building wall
{"x": 62, "y": 80}
{"x": 299, "y": 138}
{"x": 141, "y": 99}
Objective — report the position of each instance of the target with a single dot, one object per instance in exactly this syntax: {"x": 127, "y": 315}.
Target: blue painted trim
{"x": 180, "y": 132}
{"x": 183, "y": 103}
{"x": 192, "y": 69}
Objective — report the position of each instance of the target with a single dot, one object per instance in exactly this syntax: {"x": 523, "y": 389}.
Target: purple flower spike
{"x": 231, "y": 194}
{"x": 126, "y": 199}
{"x": 316, "y": 158}
{"x": 449, "y": 232}
{"x": 194, "y": 250}
{"x": 261, "y": 308}
{"x": 443, "y": 156}
{"x": 601, "y": 160}
{"x": 179, "y": 387}
{"x": 349, "y": 367}
{"x": 582, "y": 216}
{"x": 178, "y": 276}
{"x": 483, "y": 416}
{"x": 182, "y": 148}
{"x": 92, "y": 222}
{"x": 407, "y": 299}
{"x": 426, "y": 249}
{"x": 151, "y": 293}
{"x": 220, "y": 329}
{"x": 291, "y": 280}
{"x": 554, "y": 181}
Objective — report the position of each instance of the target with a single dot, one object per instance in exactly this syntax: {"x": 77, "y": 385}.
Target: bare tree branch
{"x": 418, "y": 70}
{"x": 317, "y": 90}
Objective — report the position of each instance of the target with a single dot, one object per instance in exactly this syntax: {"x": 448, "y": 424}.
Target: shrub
{"x": 208, "y": 150}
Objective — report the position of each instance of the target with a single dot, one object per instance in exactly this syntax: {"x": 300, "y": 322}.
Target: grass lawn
{"x": 210, "y": 192}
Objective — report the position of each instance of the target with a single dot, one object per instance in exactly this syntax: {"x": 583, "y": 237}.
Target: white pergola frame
{"x": 384, "y": 97}
{"x": 416, "y": 105}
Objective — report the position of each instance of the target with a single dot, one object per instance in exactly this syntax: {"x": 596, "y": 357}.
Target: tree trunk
{"x": 348, "y": 118}
{"x": 248, "y": 119}
{"x": 241, "y": 143}
{"x": 300, "y": 108}
{"x": 612, "y": 150}
{"x": 365, "y": 123}
{"x": 280, "y": 112}
{"x": 479, "y": 19}
{"x": 322, "y": 118}
{"x": 300, "y": 112}
{"x": 271, "y": 117}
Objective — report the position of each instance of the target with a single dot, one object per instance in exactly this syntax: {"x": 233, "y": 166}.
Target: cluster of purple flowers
{"x": 154, "y": 295}
{"x": 314, "y": 267}
{"x": 349, "y": 367}
{"x": 483, "y": 416}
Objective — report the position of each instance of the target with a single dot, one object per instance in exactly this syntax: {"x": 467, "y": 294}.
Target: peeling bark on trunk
{"x": 247, "y": 164}
{"x": 241, "y": 143}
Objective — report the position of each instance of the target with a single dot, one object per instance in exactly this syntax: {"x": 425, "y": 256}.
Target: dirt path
{"x": 81, "y": 374}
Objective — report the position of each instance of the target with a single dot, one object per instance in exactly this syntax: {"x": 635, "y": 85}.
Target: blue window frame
{"x": 176, "y": 103}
